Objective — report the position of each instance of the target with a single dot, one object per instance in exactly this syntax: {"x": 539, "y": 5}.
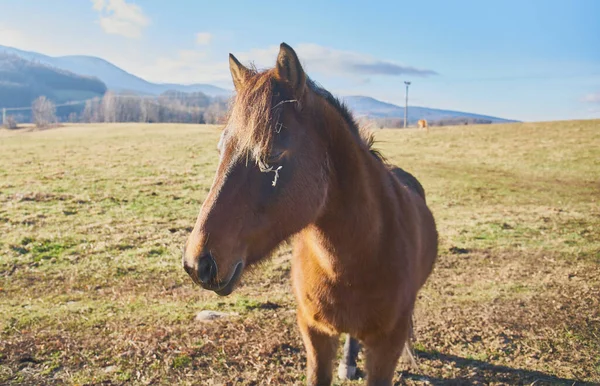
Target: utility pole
{"x": 406, "y": 104}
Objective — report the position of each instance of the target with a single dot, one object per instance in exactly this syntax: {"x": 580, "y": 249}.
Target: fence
{"x": 160, "y": 108}
{"x": 29, "y": 108}
{"x": 6, "y": 110}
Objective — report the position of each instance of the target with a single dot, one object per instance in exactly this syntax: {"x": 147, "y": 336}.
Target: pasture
{"x": 93, "y": 219}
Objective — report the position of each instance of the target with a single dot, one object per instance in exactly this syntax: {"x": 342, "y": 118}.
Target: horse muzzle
{"x": 206, "y": 271}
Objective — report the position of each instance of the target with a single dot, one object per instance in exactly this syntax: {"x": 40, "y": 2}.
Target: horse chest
{"x": 341, "y": 306}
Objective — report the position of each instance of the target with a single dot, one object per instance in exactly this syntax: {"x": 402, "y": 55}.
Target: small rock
{"x": 208, "y": 315}
{"x": 110, "y": 369}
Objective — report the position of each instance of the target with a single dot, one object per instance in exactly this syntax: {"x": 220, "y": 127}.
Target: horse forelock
{"x": 256, "y": 113}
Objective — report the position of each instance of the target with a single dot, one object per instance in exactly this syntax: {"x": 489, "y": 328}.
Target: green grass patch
{"x": 93, "y": 219}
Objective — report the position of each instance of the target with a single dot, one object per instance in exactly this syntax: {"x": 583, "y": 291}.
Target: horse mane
{"x": 257, "y": 110}
{"x": 362, "y": 133}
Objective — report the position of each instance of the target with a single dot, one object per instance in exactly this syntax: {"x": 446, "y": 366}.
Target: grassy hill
{"x": 21, "y": 81}
{"x": 114, "y": 77}
{"x": 119, "y": 80}
{"x": 93, "y": 219}
{"x": 375, "y": 109}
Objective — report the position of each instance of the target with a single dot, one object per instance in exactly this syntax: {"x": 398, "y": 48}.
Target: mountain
{"x": 372, "y": 108}
{"x": 22, "y": 81}
{"x": 115, "y": 78}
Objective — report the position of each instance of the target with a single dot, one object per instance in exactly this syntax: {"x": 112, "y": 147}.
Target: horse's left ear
{"x": 239, "y": 73}
{"x": 290, "y": 70}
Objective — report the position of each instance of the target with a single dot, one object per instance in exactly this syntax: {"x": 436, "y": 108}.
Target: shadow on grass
{"x": 484, "y": 372}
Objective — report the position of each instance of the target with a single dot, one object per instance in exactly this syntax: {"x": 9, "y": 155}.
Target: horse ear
{"x": 239, "y": 73}
{"x": 290, "y": 70}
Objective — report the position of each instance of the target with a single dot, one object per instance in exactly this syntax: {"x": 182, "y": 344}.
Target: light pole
{"x": 406, "y": 104}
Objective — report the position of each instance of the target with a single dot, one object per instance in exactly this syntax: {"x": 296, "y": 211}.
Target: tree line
{"x": 171, "y": 106}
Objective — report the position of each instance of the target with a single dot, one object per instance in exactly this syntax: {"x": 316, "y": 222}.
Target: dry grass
{"x": 93, "y": 218}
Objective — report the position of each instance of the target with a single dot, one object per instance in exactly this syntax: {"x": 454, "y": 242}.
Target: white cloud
{"x": 11, "y": 37}
{"x": 187, "y": 66}
{"x": 99, "y": 4}
{"x": 191, "y": 66}
{"x": 203, "y": 38}
{"x": 34, "y": 39}
{"x": 591, "y": 98}
{"x": 118, "y": 17}
{"x": 330, "y": 61}
{"x": 130, "y": 55}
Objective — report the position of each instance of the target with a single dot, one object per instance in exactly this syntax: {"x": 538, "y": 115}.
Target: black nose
{"x": 207, "y": 269}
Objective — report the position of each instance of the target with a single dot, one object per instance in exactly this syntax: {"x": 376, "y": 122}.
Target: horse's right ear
{"x": 290, "y": 70}
{"x": 239, "y": 73}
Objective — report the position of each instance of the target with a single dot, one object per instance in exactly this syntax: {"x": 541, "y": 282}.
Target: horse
{"x": 294, "y": 166}
{"x": 423, "y": 125}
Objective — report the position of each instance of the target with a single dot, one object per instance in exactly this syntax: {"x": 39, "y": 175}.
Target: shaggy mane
{"x": 257, "y": 109}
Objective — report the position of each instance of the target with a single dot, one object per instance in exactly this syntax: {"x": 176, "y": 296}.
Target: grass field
{"x": 93, "y": 218}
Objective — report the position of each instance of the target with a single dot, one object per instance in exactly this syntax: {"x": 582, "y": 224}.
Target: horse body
{"x": 354, "y": 270}
{"x": 364, "y": 240}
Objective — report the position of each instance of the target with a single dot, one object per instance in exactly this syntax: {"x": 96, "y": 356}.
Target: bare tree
{"x": 11, "y": 123}
{"x": 44, "y": 112}
{"x": 109, "y": 108}
{"x": 144, "y": 110}
{"x": 168, "y": 107}
{"x": 151, "y": 110}
{"x": 213, "y": 113}
{"x": 91, "y": 112}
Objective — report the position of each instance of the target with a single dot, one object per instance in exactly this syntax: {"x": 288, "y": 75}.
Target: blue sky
{"x": 528, "y": 60}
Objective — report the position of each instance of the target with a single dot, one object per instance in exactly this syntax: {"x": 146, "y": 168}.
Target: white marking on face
{"x": 221, "y": 144}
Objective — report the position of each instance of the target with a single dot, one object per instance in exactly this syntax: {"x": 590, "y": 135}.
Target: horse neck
{"x": 352, "y": 219}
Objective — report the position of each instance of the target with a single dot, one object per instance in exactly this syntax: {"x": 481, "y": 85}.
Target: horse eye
{"x": 275, "y": 156}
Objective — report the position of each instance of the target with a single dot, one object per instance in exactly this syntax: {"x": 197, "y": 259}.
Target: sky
{"x": 531, "y": 60}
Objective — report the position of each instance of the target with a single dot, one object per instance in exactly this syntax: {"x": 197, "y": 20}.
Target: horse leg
{"x": 320, "y": 353}
{"x": 347, "y": 367}
{"x": 383, "y": 352}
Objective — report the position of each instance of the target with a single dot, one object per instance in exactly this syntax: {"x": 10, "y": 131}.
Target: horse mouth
{"x": 228, "y": 287}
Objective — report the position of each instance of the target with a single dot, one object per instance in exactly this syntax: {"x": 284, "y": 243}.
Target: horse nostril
{"x": 207, "y": 269}
{"x": 187, "y": 269}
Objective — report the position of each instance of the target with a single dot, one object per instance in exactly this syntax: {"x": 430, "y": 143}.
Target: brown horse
{"x": 293, "y": 164}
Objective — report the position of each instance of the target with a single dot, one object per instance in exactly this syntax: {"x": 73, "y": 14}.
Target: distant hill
{"x": 120, "y": 81}
{"x": 363, "y": 106}
{"x": 114, "y": 77}
{"x": 22, "y": 81}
